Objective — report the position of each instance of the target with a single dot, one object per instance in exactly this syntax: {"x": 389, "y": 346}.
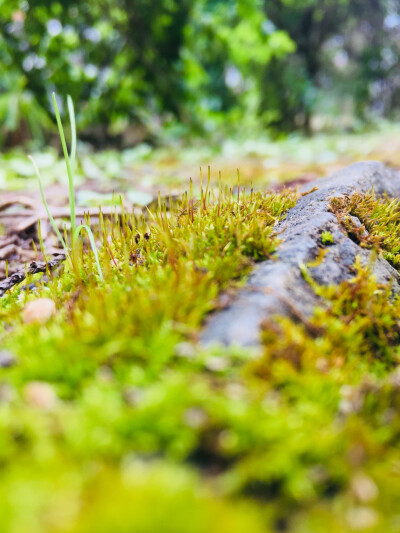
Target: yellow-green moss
{"x": 327, "y": 238}
{"x": 127, "y": 383}
{"x": 379, "y": 222}
{"x": 148, "y": 432}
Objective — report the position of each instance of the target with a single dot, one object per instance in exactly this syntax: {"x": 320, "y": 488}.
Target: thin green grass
{"x": 46, "y": 206}
{"x": 67, "y": 160}
{"x": 72, "y": 250}
{"x": 71, "y": 113}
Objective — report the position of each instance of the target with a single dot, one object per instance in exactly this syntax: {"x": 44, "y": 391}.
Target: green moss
{"x": 319, "y": 259}
{"x": 147, "y": 431}
{"x": 379, "y": 226}
{"x": 127, "y": 381}
{"x": 327, "y": 238}
{"x": 323, "y": 377}
{"x": 358, "y": 326}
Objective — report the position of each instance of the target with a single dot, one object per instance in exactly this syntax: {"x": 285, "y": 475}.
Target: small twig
{"x": 35, "y": 267}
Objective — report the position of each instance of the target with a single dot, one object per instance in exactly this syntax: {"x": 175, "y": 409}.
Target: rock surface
{"x": 277, "y": 286}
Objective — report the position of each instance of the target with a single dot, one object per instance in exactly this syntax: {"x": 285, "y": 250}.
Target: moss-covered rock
{"x": 113, "y": 418}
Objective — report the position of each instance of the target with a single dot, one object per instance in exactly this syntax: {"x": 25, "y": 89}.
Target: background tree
{"x": 347, "y": 44}
{"x": 136, "y": 68}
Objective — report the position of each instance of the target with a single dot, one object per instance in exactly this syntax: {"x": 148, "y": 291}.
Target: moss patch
{"x": 327, "y": 238}
{"x": 114, "y": 383}
{"x": 113, "y": 419}
{"x": 379, "y": 225}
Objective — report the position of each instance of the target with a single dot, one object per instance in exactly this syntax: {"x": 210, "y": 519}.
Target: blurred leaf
{"x": 140, "y": 197}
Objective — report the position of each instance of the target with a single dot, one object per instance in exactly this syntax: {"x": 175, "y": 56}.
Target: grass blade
{"x": 68, "y": 165}
{"x": 71, "y": 113}
{"x": 51, "y": 219}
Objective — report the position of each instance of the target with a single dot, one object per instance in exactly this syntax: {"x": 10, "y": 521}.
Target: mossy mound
{"x": 279, "y": 286}
{"x": 114, "y": 419}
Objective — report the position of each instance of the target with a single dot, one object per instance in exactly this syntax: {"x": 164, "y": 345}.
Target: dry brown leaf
{"x": 7, "y": 251}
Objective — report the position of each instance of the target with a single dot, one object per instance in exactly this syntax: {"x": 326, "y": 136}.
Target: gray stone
{"x": 7, "y": 359}
{"x": 277, "y": 287}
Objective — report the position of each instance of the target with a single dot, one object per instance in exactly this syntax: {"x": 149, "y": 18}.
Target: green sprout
{"x": 327, "y": 237}
{"x": 70, "y": 164}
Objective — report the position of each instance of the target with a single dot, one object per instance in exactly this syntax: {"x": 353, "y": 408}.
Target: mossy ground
{"x": 142, "y": 430}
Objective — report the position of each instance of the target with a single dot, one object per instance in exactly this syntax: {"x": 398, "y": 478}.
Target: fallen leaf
{"x": 8, "y": 250}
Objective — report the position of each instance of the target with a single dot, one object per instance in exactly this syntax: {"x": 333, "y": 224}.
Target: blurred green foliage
{"x": 136, "y": 68}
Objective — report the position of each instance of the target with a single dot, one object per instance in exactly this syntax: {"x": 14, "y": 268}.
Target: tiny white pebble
{"x": 360, "y": 518}
{"x": 364, "y": 488}
{"x": 217, "y": 364}
{"x": 40, "y": 394}
{"x": 39, "y": 311}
